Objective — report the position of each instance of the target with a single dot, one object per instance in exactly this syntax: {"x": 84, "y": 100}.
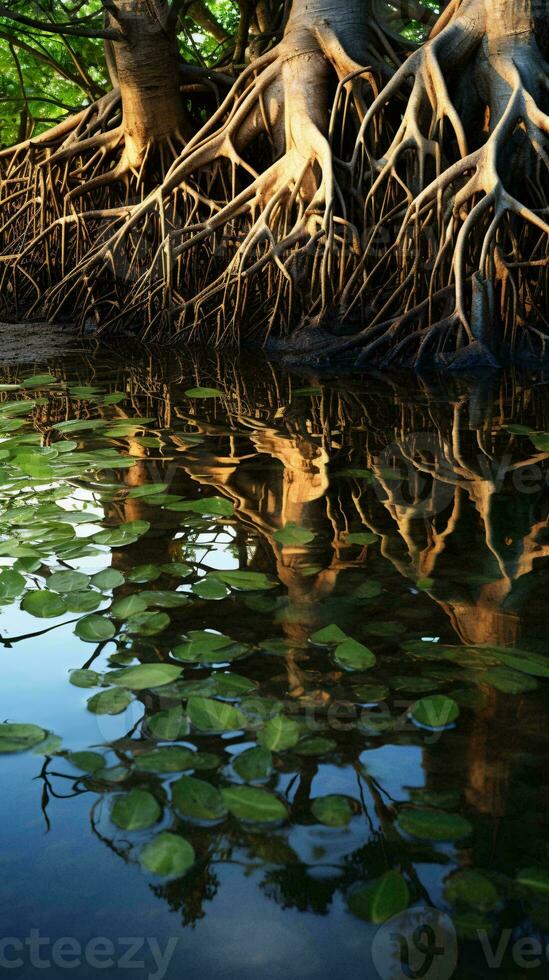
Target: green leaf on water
{"x": 177, "y": 569}
{"x": 44, "y": 604}
{"x": 147, "y": 623}
{"x": 167, "y": 855}
{"x": 214, "y": 716}
{"x": 136, "y": 810}
{"x": 537, "y": 879}
{"x": 473, "y": 889}
{"x": 111, "y": 702}
{"x": 231, "y": 685}
{"x": 328, "y": 636}
{"x": 379, "y": 900}
{"x": 172, "y": 758}
{"x": 198, "y": 799}
{"x": 332, "y": 810}
{"x": 129, "y": 606}
{"x": 85, "y": 678}
{"x": 83, "y": 602}
{"x": 280, "y": 733}
{"x": 368, "y": 590}
{"x": 12, "y": 583}
{"x": 144, "y": 676}
{"x": 435, "y": 712}
{"x": 201, "y": 392}
{"x": 291, "y": 534}
{"x": 363, "y": 538}
{"x": 95, "y": 629}
{"x": 434, "y": 824}
{"x": 69, "y": 581}
{"x": 86, "y": 761}
{"x": 169, "y": 725}
{"x": 244, "y": 581}
{"x": 109, "y": 578}
{"x": 508, "y": 681}
{"x": 352, "y": 655}
{"x": 210, "y": 588}
{"x": 254, "y": 805}
{"x": 315, "y": 745}
{"x": 206, "y": 506}
{"x": 253, "y": 764}
{"x": 144, "y": 573}
{"x": 18, "y": 737}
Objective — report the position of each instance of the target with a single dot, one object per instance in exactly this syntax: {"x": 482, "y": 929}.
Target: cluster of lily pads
{"x": 212, "y": 744}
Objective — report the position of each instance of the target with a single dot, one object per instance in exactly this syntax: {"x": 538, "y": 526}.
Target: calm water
{"x": 353, "y": 727}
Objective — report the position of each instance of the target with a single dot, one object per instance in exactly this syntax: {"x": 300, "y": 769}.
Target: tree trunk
{"x": 148, "y": 76}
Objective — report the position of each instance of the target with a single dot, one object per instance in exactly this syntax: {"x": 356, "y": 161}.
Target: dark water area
{"x": 282, "y": 648}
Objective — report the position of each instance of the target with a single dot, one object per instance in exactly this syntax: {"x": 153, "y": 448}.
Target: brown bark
{"x": 147, "y": 72}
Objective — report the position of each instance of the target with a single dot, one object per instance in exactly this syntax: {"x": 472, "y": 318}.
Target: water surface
{"x": 373, "y": 561}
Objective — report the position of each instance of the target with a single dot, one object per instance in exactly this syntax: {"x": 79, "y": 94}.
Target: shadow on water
{"x": 415, "y": 520}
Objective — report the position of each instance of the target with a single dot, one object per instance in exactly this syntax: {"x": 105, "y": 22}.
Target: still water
{"x": 281, "y": 646}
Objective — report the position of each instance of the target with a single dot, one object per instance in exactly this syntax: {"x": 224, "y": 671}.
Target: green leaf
{"x": 206, "y": 506}
{"x": 231, "y": 685}
{"x": 291, "y": 534}
{"x": 172, "y": 758}
{"x": 525, "y": 662}
{"x": 434, "y": 824}
{"x": 95, "y": 629}
{"x": 136, "y": 810}
{"x": 244, "y": 581}
{"x": 109, "y": 578}
{"x": 535, "y": 878}
{"x": 131, "y": 605}
{"x": 508, "y": 681}
{"x": 201, "y": 392}
{"x": 332, "y": 810}
{"x": 169, "y": 725}
{"x": 44, "y": 604}
{"x": 255, "y": 805}
{"x": 280, "y": 733}
{"x": 111, "y": 702}
{"x": 87, "y": 761}
{"x": 17, "y": 737}
{"x": 352, "y": 655}
{"x": 204, "y": 647}
{"x": 85, "y": 678}
{"x": 328, "y": 636}
{"x": 210, "y": 588}
{"x": 38, "y": 381}
{"x": 253, "y": 764}
{"x": 377, "y": 901}
{"x": 177, "y": 569}
{"x": 197, "y": 799}
{"x": 144, "y": 676}
{"x": 12, "y": 583}
{"x": 83, "y": 602}
{"x": 315, "y": 745}
{"x": 167, "y": 855}
{"x": 368, "y": 590}
{"x": 147, "y": 623}
{"x": 164, "y": 599}
{"x": 435, "y": 712}
{"x": 473, "y": 889}
{"x": 144, "y": 573}
{"x": 362, "y": 538}
{"x": 371, "y": 693}
{"x": 69, "y": 581}
{"x": 214, "y": 716}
